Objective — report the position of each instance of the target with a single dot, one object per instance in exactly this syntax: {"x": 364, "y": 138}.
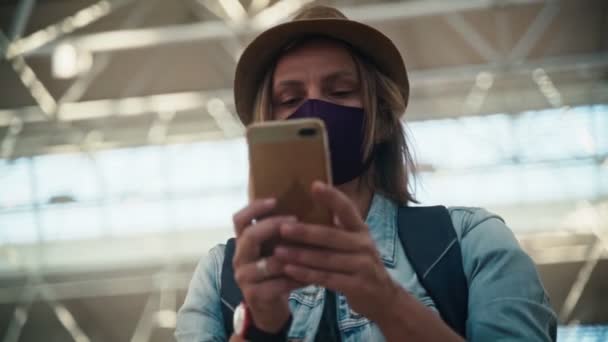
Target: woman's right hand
{"x": 261, "y": 279}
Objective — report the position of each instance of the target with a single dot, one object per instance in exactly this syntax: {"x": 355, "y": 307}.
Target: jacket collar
{"x": 382, "y": 223}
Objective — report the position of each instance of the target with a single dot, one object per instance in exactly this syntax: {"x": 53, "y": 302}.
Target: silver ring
{"x": 262, "y": 267}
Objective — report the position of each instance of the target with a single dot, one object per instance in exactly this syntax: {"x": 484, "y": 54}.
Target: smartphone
{"x": 285, "y": 157}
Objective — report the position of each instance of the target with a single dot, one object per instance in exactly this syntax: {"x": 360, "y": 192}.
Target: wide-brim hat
{"x": 313, "y": 21}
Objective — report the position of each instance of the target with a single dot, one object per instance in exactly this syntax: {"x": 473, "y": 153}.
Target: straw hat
{"x": 313, "y": 21}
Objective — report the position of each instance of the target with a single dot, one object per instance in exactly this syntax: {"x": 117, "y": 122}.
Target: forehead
{"x": 318, "y": 55}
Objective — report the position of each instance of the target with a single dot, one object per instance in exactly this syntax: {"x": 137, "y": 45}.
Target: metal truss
{"x": 45, "y": 294}
{"x": 583, "y": 237}
{"x": 593, "y": 218}
{"x": 162, "y": 287}
{"x": 72, "y": 111}
{"x": 582, "y": 278}
{"x": 160, "y": 310}
{"x": 234, "y": 20}
{"x": 22, "y": 15}
{"x": 12, "y": 50}
{"x": 53, "y": 32}
{"x": 220, "y": 30}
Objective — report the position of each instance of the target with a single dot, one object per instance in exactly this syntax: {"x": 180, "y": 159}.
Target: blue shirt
{"x": 507, "y": 301}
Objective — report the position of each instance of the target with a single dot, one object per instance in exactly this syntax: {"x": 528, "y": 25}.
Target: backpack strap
{"x": 431, "y": 245}
{"x": 230, "y": 293}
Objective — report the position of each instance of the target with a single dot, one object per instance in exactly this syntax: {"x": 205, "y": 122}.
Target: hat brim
{"x": 262, "y": 51}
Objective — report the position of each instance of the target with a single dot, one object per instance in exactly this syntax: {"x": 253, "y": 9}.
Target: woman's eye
{"x": 341, "y": 93}
{"x": 290, "y": 102}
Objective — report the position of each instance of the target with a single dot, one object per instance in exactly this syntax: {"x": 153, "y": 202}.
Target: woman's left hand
{"x": 342, "y": 258}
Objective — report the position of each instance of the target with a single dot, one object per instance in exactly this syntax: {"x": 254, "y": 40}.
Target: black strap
{"x": 253, "y": 334}
{"x": 230, "y": 293}
{"x": 328, "y": 330}
{"x": 431, "y": 245}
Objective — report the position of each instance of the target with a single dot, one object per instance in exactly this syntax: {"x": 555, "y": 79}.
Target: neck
{"x": 358, "y": 192}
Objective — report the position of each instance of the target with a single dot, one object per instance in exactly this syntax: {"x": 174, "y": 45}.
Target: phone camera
{"x": 307, "y": 132}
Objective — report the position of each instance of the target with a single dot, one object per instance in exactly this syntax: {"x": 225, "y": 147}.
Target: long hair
{"x": 392, "y": 169}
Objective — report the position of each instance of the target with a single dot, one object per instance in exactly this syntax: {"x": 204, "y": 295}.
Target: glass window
{"x": 69, "y": 176}
{"x": 208, "y": 212}
{"x": 460, "y": 143}
{"x": 602, "y": 175}
{"x": 71, "y": 222}
{"x": 548, "y": 155}
{"x": 600, "y": 128}
{"x": 18, "y": 227}
{"x": 582, "y": 333}
{"x": 14, "y": 184}
{"x": 535, "y": 136}
{"x": 509, "y": 184}
{"x": 132, "y": 172}
{"x": 560, "y": 157}
{"x": 555, "y": 133}
{"x": 209, "y": 165}
{"x": 136, "y": 216}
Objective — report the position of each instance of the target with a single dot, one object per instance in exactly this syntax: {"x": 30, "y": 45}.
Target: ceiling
{"x": 160, "y": 62}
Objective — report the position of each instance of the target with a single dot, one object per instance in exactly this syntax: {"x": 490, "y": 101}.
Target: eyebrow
{"x": 332, "y": 77}
{"x": 340, "y": 74}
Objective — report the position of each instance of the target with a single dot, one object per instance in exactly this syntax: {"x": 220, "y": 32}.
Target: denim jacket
{"x": 507, "y": 301}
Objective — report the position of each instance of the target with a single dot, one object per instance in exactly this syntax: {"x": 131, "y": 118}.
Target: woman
{"x": 354, "y": 281}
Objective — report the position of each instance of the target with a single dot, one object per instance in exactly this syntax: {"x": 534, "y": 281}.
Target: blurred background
{"x": 122, "y": 159}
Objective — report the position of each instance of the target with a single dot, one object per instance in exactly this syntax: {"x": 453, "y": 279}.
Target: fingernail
{"x": 319, "y": 185}
{"x": 269, "y": 201}
{"x": 291, "y": 219}
{"x": 281, "y": 251}
{"x": 289, "y": 268}
{"x": 287, "y": 228}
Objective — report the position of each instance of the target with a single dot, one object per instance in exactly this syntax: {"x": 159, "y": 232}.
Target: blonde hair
{"x": 393, "y": 168}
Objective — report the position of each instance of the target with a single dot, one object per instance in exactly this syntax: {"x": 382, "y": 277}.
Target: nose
{"x": 314, "y": 92}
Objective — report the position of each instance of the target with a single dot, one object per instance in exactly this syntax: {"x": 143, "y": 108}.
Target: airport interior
{"x": 123, "y": 160}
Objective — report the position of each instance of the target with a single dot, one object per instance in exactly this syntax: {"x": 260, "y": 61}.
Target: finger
{"x": 323, "y": 236}
{"x": 256, "y": 208}
{"x": 322, "y": 259}
{"x": 249, "y": 243}
{"x": 331, "y": 280}
{"x": 250, "y": 273}
{"x": 339, "y": 204}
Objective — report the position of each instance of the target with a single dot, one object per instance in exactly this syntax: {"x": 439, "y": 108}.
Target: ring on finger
{"x": 262, "y": 267}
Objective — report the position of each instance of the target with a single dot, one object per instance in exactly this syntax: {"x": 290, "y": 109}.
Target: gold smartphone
{"x": 285, "y": 157}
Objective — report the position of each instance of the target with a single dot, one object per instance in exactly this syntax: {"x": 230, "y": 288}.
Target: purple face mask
{"x": 345, "y": 133}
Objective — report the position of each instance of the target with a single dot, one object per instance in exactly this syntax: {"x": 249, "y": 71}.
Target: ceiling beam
{"x": 54, "y": 32}
{"x": 130, "y": 106}
{"x": 472, "y": 36}
{"x": 116, "y": 286}
{"x": 110, "y": 286}
{"x": 184, "y": 101}
{"x": 20, "y": 20}
{"x": 594, "y": 255}
{"x": 220, "y": 30}
{"x": 535, "y": 31}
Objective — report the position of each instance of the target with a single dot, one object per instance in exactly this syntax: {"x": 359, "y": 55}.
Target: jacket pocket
{"x": 310, "y": 296}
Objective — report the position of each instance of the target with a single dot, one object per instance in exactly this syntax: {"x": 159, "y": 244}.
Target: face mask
{"x": 345, "y": 133}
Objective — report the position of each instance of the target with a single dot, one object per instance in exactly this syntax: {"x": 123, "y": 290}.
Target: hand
{"x": 261, "y": 280}
{"x": 342, "y": 258}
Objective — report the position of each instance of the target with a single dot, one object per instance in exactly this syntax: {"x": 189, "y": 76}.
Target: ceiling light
{"x": 67, "y": 61}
